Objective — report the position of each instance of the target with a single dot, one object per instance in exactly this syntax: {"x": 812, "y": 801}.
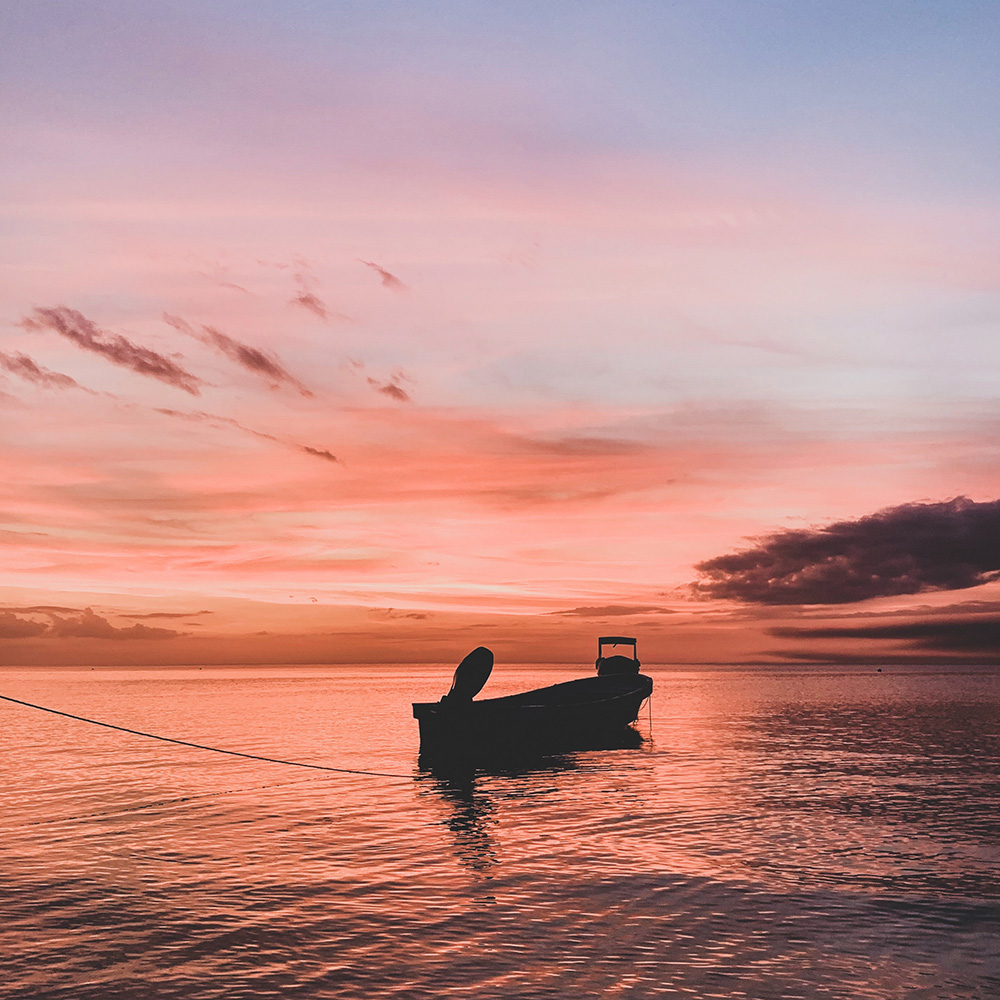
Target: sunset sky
{"x": 354, "y": 331}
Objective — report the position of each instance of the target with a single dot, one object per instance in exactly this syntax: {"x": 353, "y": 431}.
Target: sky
{"x": 363, "y": 332}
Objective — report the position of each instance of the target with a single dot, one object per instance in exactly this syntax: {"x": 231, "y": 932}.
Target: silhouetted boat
{"x": 588, "y": 713}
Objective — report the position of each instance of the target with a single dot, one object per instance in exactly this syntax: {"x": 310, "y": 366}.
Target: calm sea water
{"x": 781, "y": 833}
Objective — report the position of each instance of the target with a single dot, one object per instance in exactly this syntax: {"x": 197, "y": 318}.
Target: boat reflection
{"x": 467, "y": 784}
{"x": 470, "y": 817}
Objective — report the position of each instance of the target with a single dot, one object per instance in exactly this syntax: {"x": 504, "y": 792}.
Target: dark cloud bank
{"x": 910, "y": 549}
{"x": 66, "y": 623}
{"x": 978, "y": 636}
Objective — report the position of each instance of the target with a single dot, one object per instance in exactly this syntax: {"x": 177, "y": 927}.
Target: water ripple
{"x": 782, "y": 835}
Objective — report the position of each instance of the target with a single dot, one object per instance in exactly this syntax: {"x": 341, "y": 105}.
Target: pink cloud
{"x": 391, "y": 388}
{"x": 320, "y": 453}
{"x": 313, "y": 303}
{"x": 23, "y": 367}
{"x": 251, "y": 358}
{"x": 119, "y": 350}
{"x": 389, "y": 280}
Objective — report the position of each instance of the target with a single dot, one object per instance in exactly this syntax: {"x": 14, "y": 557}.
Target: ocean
{"x": 782, "y": 832}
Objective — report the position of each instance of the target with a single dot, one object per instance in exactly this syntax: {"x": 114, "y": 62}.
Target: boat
{"x": 587, "y": 713}
{"x": 616, "y": 663}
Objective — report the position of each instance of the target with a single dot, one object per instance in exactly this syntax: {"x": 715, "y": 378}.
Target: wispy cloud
{"x": 307, "y": 298}
{"x": 614, "y": 611}
{"x": 265, "y": 365}
{"x": 389, "y": 280}
{"x": 319, "y": 453}
{"x": 306, "y": 289}
{"x": 200, "y": 416}
{"x": 219, "y": 274}
{"x": 25, "y": 368}
{"x": 169, "y": 614}
{"x": 46, "y": 609}
{"x": 119, "y": 350}
{"x": 586, "y": 446}
{"x": 907, "y": 549}
{"x": 391, "y": 388}
{"x": 311, "y": 302}
{"x": 392, "y": 613}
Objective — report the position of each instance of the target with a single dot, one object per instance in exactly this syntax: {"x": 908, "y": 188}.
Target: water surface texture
{"x": 782, "y": 832}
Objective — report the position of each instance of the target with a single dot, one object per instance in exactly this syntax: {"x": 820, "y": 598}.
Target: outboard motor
{"x": 616, "y": 663}
{"x": 471, "y": 675}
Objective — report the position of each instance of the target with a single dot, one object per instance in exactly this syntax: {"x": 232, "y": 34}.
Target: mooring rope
{"x": 201, "y": 746}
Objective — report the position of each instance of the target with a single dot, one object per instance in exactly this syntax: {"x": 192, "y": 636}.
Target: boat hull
{"x": 572, "y": 715}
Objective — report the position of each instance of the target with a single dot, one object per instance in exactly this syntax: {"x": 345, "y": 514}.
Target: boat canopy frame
{"x": 616, "y": 640}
